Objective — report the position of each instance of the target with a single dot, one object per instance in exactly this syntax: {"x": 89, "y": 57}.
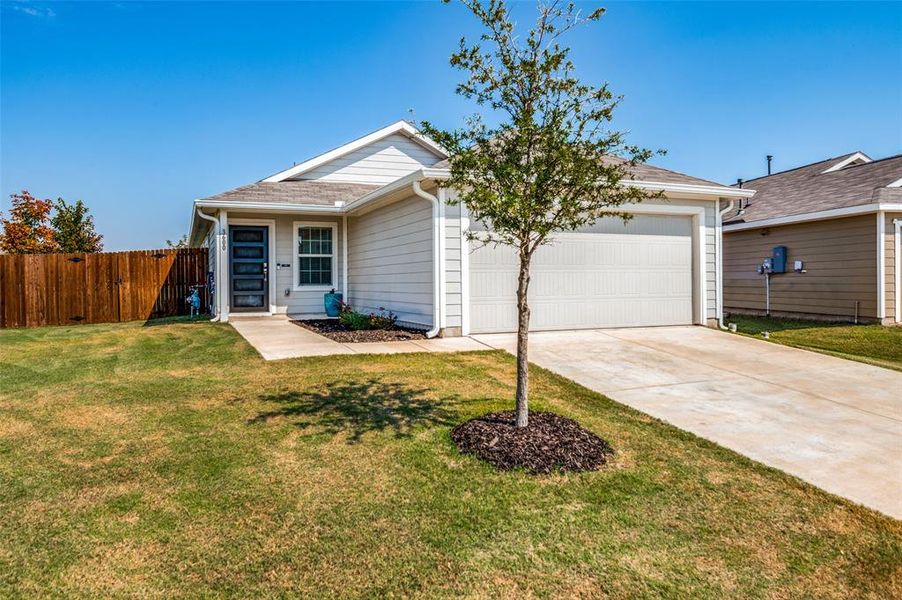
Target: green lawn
{"x": 874, "y": 344}
{"x": 170, "y": 460}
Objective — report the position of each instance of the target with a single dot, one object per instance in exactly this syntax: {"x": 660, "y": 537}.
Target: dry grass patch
{"x": 183, "y": 465}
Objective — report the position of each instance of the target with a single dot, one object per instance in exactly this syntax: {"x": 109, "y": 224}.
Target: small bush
{"x": 383, "y": 320}
{"x": 356, "y": 321}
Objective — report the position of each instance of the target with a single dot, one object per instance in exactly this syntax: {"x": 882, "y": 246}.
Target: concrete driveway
{"x": 832, "y": 422}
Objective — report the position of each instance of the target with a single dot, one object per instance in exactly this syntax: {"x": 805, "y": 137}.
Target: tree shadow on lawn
{"x": 357, "y": 408}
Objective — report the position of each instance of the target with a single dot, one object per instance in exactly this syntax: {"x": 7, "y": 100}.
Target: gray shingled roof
{"x": 321, "y": 193}
{"x": 642, "y": 172}
{"x": 808, "y": 189}
{"x": 327, "y": 193}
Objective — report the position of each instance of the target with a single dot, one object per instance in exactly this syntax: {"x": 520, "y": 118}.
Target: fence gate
{"x": 104, "y": 287}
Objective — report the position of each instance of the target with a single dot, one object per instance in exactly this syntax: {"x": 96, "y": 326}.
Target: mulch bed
{"x": 549, "y": 443}
{"x": 334, "y": 330}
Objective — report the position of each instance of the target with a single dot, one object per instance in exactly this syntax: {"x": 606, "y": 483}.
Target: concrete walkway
{"x": 277, "y": 337}
{"x": 832, "y": 422}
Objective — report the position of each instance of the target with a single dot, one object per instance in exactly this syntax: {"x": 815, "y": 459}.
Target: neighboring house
{"x": 841, "y": 218}
{"x": 372, "y": 220}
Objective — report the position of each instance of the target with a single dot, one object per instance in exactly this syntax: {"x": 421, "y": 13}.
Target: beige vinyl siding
{"x": 889, "y": 246}
{"x": 840, "y": 257}
{"x": 378, "y": 163}
{"x": 296, "y": 302}
{"x": 390, "y": 260}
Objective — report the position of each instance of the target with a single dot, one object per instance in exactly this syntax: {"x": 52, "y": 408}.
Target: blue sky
{"x": 139, "y": 108}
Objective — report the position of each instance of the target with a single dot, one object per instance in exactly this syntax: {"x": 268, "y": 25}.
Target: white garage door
{"x": 609, "y": 275}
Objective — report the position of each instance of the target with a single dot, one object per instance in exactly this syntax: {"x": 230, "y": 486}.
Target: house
{"x": 838, "y": 220}
{"x": 372, "y": 220}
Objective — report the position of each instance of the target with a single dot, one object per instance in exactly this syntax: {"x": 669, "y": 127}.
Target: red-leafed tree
{"x": 27, "y": 230}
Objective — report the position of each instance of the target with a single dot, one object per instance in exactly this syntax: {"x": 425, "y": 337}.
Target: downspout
{"x": 215, "y": 222}
{"x": 881, "y": 267}
{"x": 718, "y": 238}
{"x": 436, "y": 258}
{"x": 344, "y": 259}
{"x": 897, "y": 275}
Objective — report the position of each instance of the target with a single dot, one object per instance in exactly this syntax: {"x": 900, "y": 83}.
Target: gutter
{"x": 688, "y": 188}
{"x": 269, "y": 206}
{"x": 718, "y": 242}
{"x": 833, "y": 213}
{"x": 398, "y": 184}
{"x": 438, "y": 220}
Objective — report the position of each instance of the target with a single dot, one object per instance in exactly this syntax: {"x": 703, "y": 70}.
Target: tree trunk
{"x": 523, "y": 342}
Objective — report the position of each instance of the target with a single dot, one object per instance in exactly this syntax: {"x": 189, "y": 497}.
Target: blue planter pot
{"x": 332, "y": 302}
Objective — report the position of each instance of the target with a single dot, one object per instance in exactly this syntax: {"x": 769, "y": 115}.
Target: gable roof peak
{"x": 402, "y": 127}
{"x": 856, "y": 158}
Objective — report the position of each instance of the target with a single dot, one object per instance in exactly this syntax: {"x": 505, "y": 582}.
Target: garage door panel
{"x": 591, "y": 279}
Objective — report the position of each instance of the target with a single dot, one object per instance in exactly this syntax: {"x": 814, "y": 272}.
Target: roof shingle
{"x": 641, "y": 172}
{"x": 320, "y": 193}
{"x": 808, "y": 189}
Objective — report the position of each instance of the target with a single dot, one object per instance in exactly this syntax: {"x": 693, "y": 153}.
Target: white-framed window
{"x": 315, "y": 246}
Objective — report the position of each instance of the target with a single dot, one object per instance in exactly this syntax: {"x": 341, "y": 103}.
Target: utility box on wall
{"x": 779, "y": 259}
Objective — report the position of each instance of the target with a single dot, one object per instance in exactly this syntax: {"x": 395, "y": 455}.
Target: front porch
{"x": 279, "y": 264}
{"x": 276, "y": 337}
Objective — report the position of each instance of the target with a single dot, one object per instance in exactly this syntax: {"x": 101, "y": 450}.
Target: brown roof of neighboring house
{"x": 809, "y": 189}
{"x": 323, "y": 193}
{"x": 641, "y": 172}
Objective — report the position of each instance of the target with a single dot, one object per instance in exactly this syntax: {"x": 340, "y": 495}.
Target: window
{"x": 315, "y": 245}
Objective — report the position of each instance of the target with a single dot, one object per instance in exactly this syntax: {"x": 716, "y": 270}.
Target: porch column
{"x": 222, "y": 277}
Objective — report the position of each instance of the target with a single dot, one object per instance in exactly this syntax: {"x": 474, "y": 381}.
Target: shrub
{"x": 383, "y": 320}
{"x": 354, "y": 320}
{"x": 358, "y": 321}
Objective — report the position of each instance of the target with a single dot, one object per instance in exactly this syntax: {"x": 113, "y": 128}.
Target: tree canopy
{"x": 40, "y": 226}
{"x": 550, "y": 161}
{"x": 27, "y": 230}
{"x": 74, "y": 228}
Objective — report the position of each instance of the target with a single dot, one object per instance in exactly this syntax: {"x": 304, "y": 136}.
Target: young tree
{"x": 27, "y": 230}
{"x": 552, "y": 163}
{"x": 73, "y": 228}
{"x": 182, "y": 242}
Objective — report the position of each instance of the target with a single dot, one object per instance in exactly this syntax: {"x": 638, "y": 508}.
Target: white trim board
{"x": 691, "y": 188}
{"x": 270, "y": 275}
{"x": 402, "y": 127}
{"x": 835, "y": 213}
{"x": 857, "y": 157}
{"x": 464, "y": 270}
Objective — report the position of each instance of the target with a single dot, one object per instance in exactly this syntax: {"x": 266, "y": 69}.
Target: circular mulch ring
{"x": 549, "y": 443}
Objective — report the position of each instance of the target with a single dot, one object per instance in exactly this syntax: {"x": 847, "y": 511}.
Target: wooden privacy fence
{"x": 65, "y": 289}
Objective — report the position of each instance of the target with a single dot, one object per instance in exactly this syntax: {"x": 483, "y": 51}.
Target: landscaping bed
{"x": 335, "y": 330}
{"x": 549, "y": 443}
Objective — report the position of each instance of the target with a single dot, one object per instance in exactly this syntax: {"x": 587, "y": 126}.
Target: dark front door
{"x": 249, "y": 268}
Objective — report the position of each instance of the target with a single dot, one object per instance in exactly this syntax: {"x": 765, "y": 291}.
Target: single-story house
{"x": 372, "y": 220}
{"x": 838, "y": 221}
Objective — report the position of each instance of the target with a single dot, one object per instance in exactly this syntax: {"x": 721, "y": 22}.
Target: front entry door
{"x": 249, "y": 268}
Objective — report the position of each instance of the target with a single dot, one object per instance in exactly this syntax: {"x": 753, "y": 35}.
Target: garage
{"x": 609, "y": 275}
